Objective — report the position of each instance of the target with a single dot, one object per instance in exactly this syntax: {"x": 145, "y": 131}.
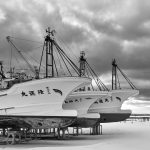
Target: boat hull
{"x": 109, "y": 106}
{"x": 114, "y": 116}
{"x": 112, "y": 102}
{"x": 39, "y": 122}
{"x": 38, "y": 99}
{"x": 81, "y": 101}
{"x": 85, "y": 122}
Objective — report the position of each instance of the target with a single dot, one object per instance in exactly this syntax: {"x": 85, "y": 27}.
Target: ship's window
{"x": 76, "y": 100}
{"x": 100, "y": 101}
{"x": 70, "y": 101}
{"x": 96, "y": 102}
{"x": 106, "y": 100}
{"x": 66, "y": 101}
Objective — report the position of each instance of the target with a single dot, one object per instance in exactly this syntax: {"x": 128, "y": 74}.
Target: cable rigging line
{"x": 32, "y": 58}
{"x": 127, "y": 79}
{"x": 93, "y": 77}
{"x": 70, "y": 50}
{"x": 67, "y": 58}
{"x": 24, "y": 39}
{"x": 41, "y": 57}
{"x": 99, "y": 81}
{"x": 64, "y": 62}
{"x": 70, "y": 63}
{"x": 9, "y": 40}
{"x": 86, "y": 70}
{"x": 55, "y": 67}
{"x": 58, "y": 58}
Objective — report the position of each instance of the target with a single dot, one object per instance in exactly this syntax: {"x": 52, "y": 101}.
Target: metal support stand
{"x": 11, "y": 137}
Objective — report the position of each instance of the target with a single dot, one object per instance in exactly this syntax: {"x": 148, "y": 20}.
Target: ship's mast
{"x": 115, "y": 79}
{"x": 49, "y": 53}
{"x": 114, "y": 75}
{"x": 85, "y": 69}
{"x": 82, "y": 61}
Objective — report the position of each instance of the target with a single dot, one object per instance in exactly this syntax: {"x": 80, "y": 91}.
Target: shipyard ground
{"x": 130, "y": 135}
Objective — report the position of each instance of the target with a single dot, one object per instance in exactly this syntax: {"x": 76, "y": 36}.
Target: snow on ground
{"x": 116, "y": 136}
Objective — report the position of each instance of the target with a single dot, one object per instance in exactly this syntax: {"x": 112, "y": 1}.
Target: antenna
{"x": 48, "y": 45}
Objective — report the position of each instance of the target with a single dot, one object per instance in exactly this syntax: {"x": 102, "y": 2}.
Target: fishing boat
{"x": 81, "y": 102}
{"x": 110, "y": 106}
{"x": 106, "y": 102}
{"x": 38, "y": 103}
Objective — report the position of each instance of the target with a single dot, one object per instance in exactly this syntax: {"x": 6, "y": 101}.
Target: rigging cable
{"x": 93, "y": 77}
{"x": 127, "y": 79}
{"x": 67, "y": 58}
{"x": 9, "y": 40}
{"x": 86, "y": 70}
{"x": 58, "y": 58}
{"x": 25, "y": 39}
{"x": 102, "y": 84}
{"x": 64, "y": 62}
{"x": 55, "y": 67}
{"x": 59, "y": 37}
{"x": 41, "y": 57}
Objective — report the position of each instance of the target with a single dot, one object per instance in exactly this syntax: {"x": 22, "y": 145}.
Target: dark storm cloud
{"x": 101, "y": 54}
{"x": 111, "y": 40}
{"x": 105, "y": 29}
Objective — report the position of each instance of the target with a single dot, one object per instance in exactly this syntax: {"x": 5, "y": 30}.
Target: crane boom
{"x": 29, "y": 65}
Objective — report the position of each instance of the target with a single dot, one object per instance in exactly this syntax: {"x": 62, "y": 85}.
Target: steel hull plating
{"x": 109, "y": 107}
{"x": 115, "y": 117}
{"x": 86, "y": 122}
{"x": 112, "y": 102}
{"x": 36, "y": 122}
{"x": 81, "y": 101}
{"x": 35, "y": 100}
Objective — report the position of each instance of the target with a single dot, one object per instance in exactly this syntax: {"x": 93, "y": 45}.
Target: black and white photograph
{"x": 74, "y": 74}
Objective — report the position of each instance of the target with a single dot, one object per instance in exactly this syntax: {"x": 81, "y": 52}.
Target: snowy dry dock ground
{"x": 116, "y": 136}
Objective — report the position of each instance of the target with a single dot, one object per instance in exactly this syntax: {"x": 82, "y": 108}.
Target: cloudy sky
{"x": 104, "y": 29}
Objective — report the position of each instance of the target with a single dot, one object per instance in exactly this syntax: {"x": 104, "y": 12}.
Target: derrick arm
{"x": 29, "y": 65}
